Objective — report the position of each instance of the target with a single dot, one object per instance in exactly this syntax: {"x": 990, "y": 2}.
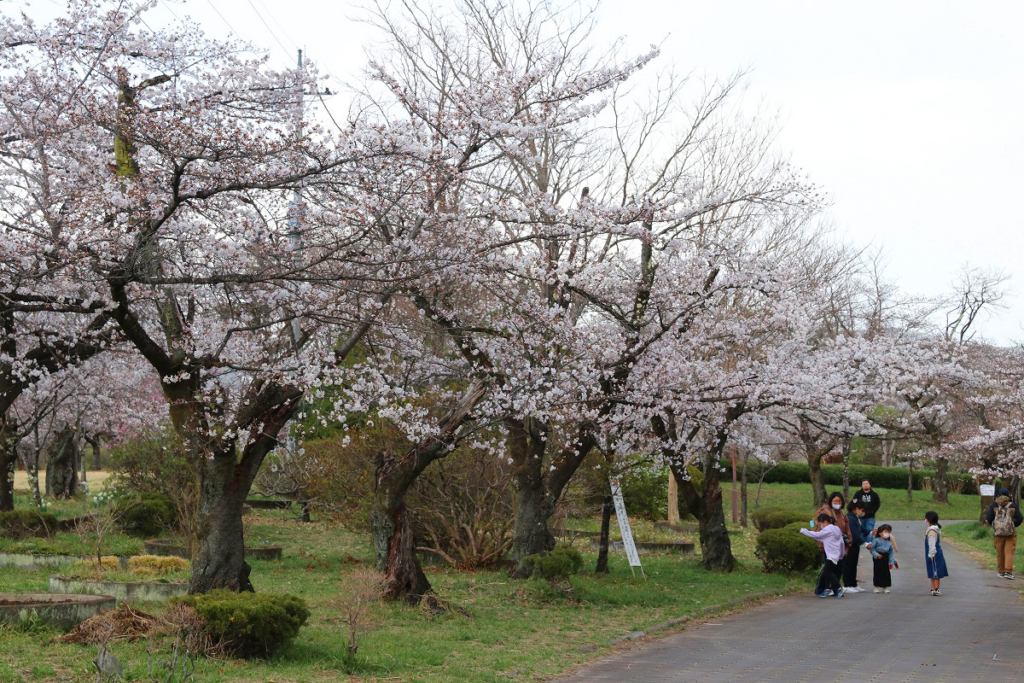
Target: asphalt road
{"x": 973, "y": 632}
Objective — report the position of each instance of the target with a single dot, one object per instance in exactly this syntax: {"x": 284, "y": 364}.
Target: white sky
{"x": 911, "y": 114}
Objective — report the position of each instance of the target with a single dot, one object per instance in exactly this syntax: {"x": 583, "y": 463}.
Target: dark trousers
{"x": 883, "y": 577}
{"x": 850, "y": 566}
{"x": 828, "y": 579}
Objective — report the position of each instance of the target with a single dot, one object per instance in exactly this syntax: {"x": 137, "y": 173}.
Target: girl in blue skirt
{"x": 934, "y": 558}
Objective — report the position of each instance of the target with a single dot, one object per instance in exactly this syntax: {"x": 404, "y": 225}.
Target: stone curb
{"x": 728, "y": 604}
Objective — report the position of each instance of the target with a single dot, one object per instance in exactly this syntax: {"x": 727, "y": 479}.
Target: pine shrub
{"x": 774, "y": 518}
{"x": 248, "y": 625}
{"x": 557, "y": 565}
{"x": 787, "y": 550}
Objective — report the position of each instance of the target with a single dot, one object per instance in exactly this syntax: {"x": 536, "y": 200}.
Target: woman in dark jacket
{"x": 856, "y": 512}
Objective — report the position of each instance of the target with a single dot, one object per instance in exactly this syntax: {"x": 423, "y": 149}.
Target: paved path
{"x": 973, "y": 632}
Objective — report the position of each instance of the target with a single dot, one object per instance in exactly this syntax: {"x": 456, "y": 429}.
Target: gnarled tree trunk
{"x": 219, "y": 553}
{"x": 940, "y": 487}
{"x": 8, "y": 461}
{"x": 390, "y": 523}
{"x": 62, "y": 465}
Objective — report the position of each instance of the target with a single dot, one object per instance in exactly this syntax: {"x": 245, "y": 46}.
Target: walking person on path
{"x": 1004, "y": 517}
{"x": 882, "y": 556}
{"x": 871, "y": 501}
{"x": 936, "y": 561}
{"x": 856, "y": 511}
{"x": 835, "y": 546}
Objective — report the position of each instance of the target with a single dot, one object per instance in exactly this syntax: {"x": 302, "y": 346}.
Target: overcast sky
{"x": 910, "y": 114}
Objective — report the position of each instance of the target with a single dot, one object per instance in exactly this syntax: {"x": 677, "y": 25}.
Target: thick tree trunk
{"x": 8, "y": 460}
{"x": 396, "y": 551}
{"x": 61, "y": 466}
{"x": 530, "y": 533}
{"x": 817, "y": 479}
{"x": 940, "y": 488}
{"x": 219, "y": 553}
{"x": 716, "y": 548}
{"x": 673, "y": 500}
{"x": 607, "y": 505}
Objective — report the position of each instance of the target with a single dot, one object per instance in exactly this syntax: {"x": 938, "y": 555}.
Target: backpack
{"x": 1002, "y": 525}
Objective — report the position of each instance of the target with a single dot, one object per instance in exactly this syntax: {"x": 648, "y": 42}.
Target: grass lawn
{"x": 976, "y": 540}
{"x": 520, "y": 630}
{"x": 798, "y": 498}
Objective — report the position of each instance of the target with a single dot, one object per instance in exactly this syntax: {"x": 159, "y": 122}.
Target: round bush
{"x": 25, "y": 523}
{"x": 557, "y": 565}
{"x": 148, "y": 514}
{"x": 774, "y": 518}
{"x": 787, "y": 550}
{"x": 249, "y": 624}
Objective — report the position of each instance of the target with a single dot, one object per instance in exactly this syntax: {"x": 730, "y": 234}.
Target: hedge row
{"x": 880, "y": 477}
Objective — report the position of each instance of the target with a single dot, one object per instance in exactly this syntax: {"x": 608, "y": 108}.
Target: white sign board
{"x": 627, "y": 533}
{"x": 987, "y": 489}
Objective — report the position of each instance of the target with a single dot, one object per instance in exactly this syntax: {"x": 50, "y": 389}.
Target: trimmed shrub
{"x": 774, "y": 518}
{"x": 27, "y": 523}
{"x": 880, "y": 477}
{"x": 558, "y": 565}
{"x": 787, "y": 550}
{"x": 89, "y": 568}
{"x": 645, "y": 492}
{"x": 248, "y": 625}
{"x": 147, "y": 515}
{"x": 156, "y": 565}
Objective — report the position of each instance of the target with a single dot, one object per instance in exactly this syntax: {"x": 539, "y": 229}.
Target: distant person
{"x": 935, "y": 561}
{"x": 855, "y": 513}
{"x": 883, "y": 555}
{"x": 1004, "y": 517}
{"x": 869, "y": 497}
{"x": 835, "y": 545}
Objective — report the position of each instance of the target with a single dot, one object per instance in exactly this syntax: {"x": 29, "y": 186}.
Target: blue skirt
{"x": 936, "y": 565}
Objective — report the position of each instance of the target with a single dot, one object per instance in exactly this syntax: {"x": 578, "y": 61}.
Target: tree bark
{"x": 673, "y": 499}
{"x": 61, "y": 466}
{"x": 817, "y": 478}
{"x": 393, "y": 540}
{"x": 847, "y": 448}
{"x": 743, "y": 490}
{"x": 8, "y": 460}
{"x": 940, "y": 487}
{"x": 607, "y": 506}
{"x": 530, "y": 533}
{"x": 219, "y": 553}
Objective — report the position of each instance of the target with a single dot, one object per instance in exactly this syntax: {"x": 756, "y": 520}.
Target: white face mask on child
{"x": 837, "y": 506}
{"x": 885, "y": 535}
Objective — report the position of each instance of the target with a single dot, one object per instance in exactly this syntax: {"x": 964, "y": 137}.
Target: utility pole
{"x": 295, "y": 211}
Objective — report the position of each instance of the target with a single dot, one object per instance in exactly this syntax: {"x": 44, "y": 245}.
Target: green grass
{"x": 976, "y": 540}
{"x": 69, "y": 543}
{"x": 516, "y": 629}
{"x": 798, "y": 498}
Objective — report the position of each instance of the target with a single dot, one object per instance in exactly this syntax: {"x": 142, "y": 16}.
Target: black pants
{"x": 850, "y": 566}
{"x": 883, "y": 577}
{"x": 828, "y": 579}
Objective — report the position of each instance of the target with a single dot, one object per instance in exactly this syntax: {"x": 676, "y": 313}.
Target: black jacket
{"x": 991, "y": 514}
{"x": 870, "y": 500}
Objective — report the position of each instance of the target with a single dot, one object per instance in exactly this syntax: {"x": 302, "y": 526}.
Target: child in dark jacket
{"x": 882, "y": 555}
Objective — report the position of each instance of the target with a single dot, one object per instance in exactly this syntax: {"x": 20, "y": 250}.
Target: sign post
{"x": 627, "y": 534}
{"x": 987, "y": 494}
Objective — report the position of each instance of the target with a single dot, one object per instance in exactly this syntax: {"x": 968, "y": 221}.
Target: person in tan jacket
{"x": 834, "y": 507}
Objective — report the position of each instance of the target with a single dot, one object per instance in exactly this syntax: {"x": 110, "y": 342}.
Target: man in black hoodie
{"x": 1004, "y": 517}
{"x": 869, "y": 500}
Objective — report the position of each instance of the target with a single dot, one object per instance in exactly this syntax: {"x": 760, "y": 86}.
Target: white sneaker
{"x": 1008, "y": 575}
{"x": 886, "y": 590}
{"x": 1001, "y": 575}
{"x": 855, "y": 589}
{"x": 877, "y": 589}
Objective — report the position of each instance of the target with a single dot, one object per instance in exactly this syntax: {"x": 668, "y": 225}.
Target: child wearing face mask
{"x": 883, "y": 556}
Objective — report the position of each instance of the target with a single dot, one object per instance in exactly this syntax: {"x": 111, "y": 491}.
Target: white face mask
{"x": 837, "y": 506}
{"x": 885, "y": 535}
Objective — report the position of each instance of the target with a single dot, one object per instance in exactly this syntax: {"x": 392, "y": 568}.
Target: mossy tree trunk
{"x": 940, "y": 487}
{"x": 8, "y": 461}
{"x": 62, "y": 465}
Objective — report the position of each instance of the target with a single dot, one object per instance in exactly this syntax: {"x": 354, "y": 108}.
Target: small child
{"x": 882, "y": 554}
{"x": 936, "y": 561}
{"x": 835, "y": 544}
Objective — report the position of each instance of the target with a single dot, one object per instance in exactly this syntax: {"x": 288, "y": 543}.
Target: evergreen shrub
{"x": 774, "y": 518}
{"x": 787, "y": 550}
{"x": 147, "y": 515}
{"x": 248, "y": 625}
{"x": 557, "y": 565}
